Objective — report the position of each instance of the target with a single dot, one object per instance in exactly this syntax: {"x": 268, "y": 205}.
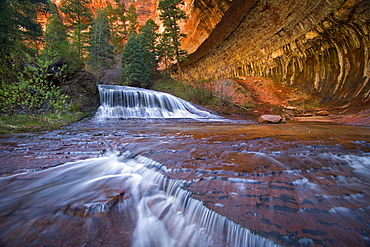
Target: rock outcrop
{"x": 321, "y": 47}
{"x": 318, "y": 46}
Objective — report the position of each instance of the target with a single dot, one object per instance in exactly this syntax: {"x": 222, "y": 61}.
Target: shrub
{"x": 32, "y": 93}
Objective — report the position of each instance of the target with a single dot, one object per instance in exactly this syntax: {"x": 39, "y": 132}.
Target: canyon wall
{"x": 320, "y": 46}
{"x": 202, "y": 16}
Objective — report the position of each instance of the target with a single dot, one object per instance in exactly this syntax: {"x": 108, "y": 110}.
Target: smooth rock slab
{"x": 271, "y": 119}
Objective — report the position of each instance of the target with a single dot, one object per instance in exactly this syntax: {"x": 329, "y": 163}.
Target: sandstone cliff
{"x": 319, "y": 46}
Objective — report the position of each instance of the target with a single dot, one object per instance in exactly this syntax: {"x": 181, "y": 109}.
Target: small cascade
{"x": 164, "y": 212}
{"x": 130, "y": 102}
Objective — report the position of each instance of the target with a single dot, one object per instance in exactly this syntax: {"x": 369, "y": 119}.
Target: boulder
{"x": 271, "y": 119}
{"x": 322, "y": 113}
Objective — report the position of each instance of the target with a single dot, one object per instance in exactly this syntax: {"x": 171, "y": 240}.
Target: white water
{"x": 165, "y": 213}
{"x": 130, "y": 102}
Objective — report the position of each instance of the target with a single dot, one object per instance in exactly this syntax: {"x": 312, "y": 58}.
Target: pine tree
{"x": 56, "y": 45}
{"x": 148, "y": 40}
{"x": 118, "y": 23}
{"x": 132, "y": 19}
{"x": 165, "y": 50}
{"x": 19, "y": 32}
{"x": 170, "y": 15}
{"x": 79, "y": 18}
{"x": 134, "y": 70}
{"x": 100, "y": 51}
{"x": 55, "y": 36}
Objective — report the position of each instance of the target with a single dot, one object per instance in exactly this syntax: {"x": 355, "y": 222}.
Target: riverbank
{"x": 251, "y": 97}
{"x": 28, "y": 123}
{"x": 360, "y": 119}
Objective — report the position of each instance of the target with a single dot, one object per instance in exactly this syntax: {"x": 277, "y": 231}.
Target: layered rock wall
{"x": 321, "y": 46}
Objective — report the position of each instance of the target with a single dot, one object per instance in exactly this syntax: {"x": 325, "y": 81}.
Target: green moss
{"x": 27, "y": 123}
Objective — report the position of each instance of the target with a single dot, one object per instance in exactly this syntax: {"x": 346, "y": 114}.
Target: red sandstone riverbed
{"x": 297, "y": 184}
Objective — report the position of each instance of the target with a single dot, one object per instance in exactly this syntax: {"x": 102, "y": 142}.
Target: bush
{"x": 32, "y": 93}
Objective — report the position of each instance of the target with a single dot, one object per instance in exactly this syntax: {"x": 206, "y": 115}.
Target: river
{"x": 205, "y": 181}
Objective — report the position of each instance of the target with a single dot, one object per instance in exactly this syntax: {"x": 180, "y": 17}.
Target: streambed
{"x": 295, "y": 184}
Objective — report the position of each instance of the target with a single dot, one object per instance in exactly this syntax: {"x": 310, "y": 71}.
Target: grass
{"x": 171, "y": 86}
{"x": 28, "y": 123}
{"x": 198, "y": 95}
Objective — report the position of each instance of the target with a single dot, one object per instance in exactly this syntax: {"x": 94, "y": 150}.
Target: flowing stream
{"x": 154, "y": 170}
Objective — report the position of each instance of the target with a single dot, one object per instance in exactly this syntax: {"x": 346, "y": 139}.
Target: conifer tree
{"x": 19, "y": 32}
{"x": 132, "y": 19}
{"x": 165, "y": 51}
{"x": 148, "y": 41}
{"x": 134, "y": 70}
{"x": 118, "y": 23}
{"x": 100, "y": 51}
{"x": 79, "y": 18}
{"x": 55, "y": 36}
{"x": 56, "y": 45}
{"x": 170, "y": 15}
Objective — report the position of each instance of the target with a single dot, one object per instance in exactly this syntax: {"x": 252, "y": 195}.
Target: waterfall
{"x": 165, "y": 213}
{"x": 130, "y": 102}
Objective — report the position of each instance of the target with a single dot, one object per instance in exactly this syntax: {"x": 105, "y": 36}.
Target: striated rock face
{"x": 202, "y": 16}
{"x": 319, "y": 46}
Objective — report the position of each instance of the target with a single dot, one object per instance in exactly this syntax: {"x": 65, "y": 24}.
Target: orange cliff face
{"x": 202, "y": 16}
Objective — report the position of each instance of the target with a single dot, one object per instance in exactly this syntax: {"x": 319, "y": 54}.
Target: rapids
{"x": 186, "y": 182}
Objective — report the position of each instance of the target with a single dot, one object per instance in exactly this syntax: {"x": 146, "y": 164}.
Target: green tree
{"x": 101, "y": 55}
{"x": 78, "y": 17}
{"x": 170, "y": 15}
{"x": 148, "y": 41}
{"x": 134, "y": 70}
{"x": 19, "y": 33}
{"x": 56, "y": 45}
{"x": 131, "y": 16}
{"x": 165, "y": 51}
{"x": 118, "y": 23}
{"x": 55, "y": 36}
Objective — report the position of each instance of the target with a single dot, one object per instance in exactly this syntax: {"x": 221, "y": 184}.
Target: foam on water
{"x": 131, "y": 102}
{"x": 164, "y": 212}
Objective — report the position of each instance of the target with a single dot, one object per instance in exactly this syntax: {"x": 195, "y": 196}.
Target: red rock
{"x": 322, "y": 113}
{"x": 271, "y": 119}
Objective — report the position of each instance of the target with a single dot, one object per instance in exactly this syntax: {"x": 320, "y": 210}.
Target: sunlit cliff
{"x": 318, "y": 46}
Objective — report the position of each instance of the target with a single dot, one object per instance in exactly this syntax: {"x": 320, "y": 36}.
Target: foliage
{"x": 100, "y": 51}
{"x": 27, "y": 123}
{"x": 55, "y": 36}
{"x": 131, "y": 16}
{"x": 56, "y": 45}
{"x": 32, "y": 93}
{"x": 19, "y": 33}
{"x": 148, "y": 41}
{"x": 134, "y": 70}
{"x": 79, "y": 17}
{"x": 117, "y": 20}
{"x": 170, "y": 15}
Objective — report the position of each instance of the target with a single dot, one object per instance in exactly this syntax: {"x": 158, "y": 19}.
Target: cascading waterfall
{"x": 130, "y": 102}
{"x": 165, "y": 213}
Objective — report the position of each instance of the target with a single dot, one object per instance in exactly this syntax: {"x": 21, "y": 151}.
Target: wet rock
{"x": 271, "y": 119}
{"x": 322, "y": 113}
{"x": 291, "y": 108}
{"x": 308, "y": 114}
